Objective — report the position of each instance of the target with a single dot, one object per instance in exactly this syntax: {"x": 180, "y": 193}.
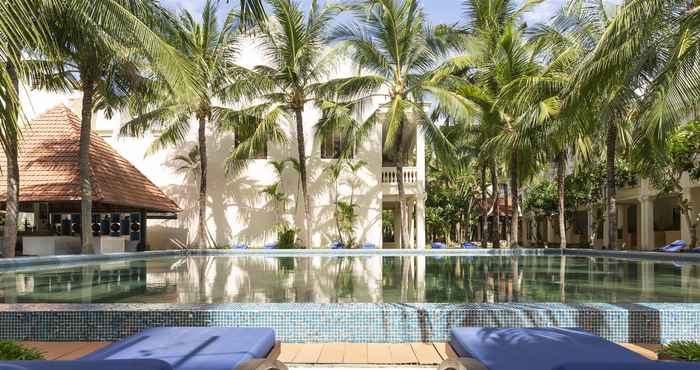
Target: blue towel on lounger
{"x": 204, "y": 348}
{"x": 437, "y": 245}
{"x": 674, "y": 247}
{"x": 86, "y": 365}
{"x": 469, "y": 245}
{"x": 537, "y": 348}
{"x": 650, "y": 365}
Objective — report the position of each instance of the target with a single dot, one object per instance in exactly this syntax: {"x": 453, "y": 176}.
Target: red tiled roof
{"x": 50, "y": 169}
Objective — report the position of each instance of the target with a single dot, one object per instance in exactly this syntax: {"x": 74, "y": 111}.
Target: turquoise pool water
{"x": 366, "y": 279}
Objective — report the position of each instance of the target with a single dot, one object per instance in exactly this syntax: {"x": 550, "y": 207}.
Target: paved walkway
{"x": 361, "y": 354}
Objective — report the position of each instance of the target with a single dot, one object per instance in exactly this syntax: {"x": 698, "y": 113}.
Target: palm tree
{"x": 495, "y": 56}
{"x": 536, "y": 99}
{"x": 643, "y": 70}
{"x": 9, "y": 135}
{"x": 296, "y": 76}
{"x": 73, "y": 34}
{"x": 395, "y": 51}
{"x": 210, "y": 47}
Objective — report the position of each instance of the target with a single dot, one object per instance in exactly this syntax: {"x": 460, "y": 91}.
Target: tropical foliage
{"x": 536, "y": 119}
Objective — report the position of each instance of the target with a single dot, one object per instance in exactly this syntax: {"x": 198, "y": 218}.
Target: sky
{"x": 438, "y": 11}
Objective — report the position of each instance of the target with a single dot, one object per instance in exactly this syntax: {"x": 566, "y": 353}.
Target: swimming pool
{"x": 356, "y": 279}
{"x": 352, "y": 296}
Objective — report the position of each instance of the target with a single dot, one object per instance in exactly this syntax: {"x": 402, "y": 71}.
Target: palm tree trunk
{"x": 496, "y": 208}
{"x": 403, "y": 206}
{"x": 484, "y": 208}
{"x": 611, "y": 185}
{"x": 515, "y": 200}
{"x": 12, "y": 202}
{"x": 85, "y": 180}
{"x": 203, "y": 165}
{"x": 303, "y": 177}
{"x": 688, "y": 212}
{"x": 561, "y": 167}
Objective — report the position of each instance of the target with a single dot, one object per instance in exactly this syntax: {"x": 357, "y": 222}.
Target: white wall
{"x": 238, "y": 211}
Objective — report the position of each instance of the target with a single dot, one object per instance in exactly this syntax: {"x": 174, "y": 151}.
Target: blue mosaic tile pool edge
{"x": 360, "y": 322}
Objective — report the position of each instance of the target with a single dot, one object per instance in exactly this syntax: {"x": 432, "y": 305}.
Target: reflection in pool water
{"x": 454, "y": 279}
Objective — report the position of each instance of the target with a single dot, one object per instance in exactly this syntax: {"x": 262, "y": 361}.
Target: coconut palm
{"x": 296, "y": 76}
{"x": 644, "y": 70}
{"x": 211, "y": 47}
{"x": 495, "y": 55}
{"x": 395, "y": 51}
{"x": 74, "y": 35}
{"x": 536, "y": 99}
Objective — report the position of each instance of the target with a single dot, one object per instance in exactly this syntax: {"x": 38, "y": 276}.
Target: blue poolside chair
{"x": 240, "y": 246}
{"x": 469, "y": 245}
{"x": 336, "y": 244}
{"x": 368, "y": 246}
{"x": 86, "y": 365}
{"x": 438, "y": 245}
{"x": 695, "y": 250}
{"x": 543, "y": 349}
{"x": 177, "y": 349}
{"x": 271, "y": 246}
{"x": 674, "y": 247}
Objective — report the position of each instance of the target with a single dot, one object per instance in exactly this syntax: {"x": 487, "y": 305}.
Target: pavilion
{"x": 123, "y": 197}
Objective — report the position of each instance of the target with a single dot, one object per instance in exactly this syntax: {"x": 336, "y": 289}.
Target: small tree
{"x": 666, "y": 167}
{"x": 345, "y": 211}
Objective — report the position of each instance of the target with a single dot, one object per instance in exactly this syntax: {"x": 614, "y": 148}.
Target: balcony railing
{"x": 389, "y": 176}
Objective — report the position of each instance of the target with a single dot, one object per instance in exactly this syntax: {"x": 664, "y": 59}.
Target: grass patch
{"x": 13, "y": 351}
{"x": 681, "y": 350}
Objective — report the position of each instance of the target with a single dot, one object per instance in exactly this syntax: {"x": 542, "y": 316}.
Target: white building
{"x": 238, "y": 210}
{"x": 646, "y": 219}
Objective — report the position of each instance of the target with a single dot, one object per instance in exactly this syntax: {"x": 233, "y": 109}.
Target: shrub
{"x": 12, "y": 351}
{"x": 681, "y": 350}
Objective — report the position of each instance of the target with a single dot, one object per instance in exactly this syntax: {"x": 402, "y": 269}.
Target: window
{"x": 333, "y": 145}
{"x": 240, "y": 136}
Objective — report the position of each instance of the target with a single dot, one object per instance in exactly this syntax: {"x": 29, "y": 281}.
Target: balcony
{"x": 389, "y": 175}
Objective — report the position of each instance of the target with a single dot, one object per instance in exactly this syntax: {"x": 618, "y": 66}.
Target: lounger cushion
{"x": 539, "y": 348}
{"x": 650, "y": 365}
{"x": 86, "y": 365}
{"x": 193, "y": 348}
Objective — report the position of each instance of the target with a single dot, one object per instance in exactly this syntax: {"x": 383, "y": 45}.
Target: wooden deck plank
{"x": 355, "y": 353}
{"x": 426, "y": 353}
{"x": 55, "y": 350}
{"x": 378, "y": 353}
{"x": 646, "y": 351}
{"x": 289, "y": 352}
{"x": 401, "y": 353}
{"x": 440, "y": 347}
{"x": 332, "y": 353}
{"x": 309, "y": 354}
{"x": 86, "y": 349}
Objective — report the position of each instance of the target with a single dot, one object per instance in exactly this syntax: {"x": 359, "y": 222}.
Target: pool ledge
{"x": 355, "y": 322}
{"x": 77, "y": 259}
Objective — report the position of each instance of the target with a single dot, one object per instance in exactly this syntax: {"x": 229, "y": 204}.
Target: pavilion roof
{"x": 50, "y": 169}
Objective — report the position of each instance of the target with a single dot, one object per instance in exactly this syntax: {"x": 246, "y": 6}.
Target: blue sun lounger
{"x": 469, "y": 245}
{"x": 674, "y": 247}
{"x": 543, "y": 349}
{"x": 437, "y": 245}
{"x": 177, "y": 349}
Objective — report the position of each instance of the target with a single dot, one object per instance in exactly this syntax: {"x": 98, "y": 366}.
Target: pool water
{"x": 372, "y": 279}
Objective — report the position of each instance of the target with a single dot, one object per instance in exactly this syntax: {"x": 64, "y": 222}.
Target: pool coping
{"x": 73, "y": 259}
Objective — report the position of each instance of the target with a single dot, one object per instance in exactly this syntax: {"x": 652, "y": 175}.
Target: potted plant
{"x": 681, "y": 351}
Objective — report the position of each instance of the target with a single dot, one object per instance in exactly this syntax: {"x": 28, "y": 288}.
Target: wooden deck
{"x": 384, "y": 354}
